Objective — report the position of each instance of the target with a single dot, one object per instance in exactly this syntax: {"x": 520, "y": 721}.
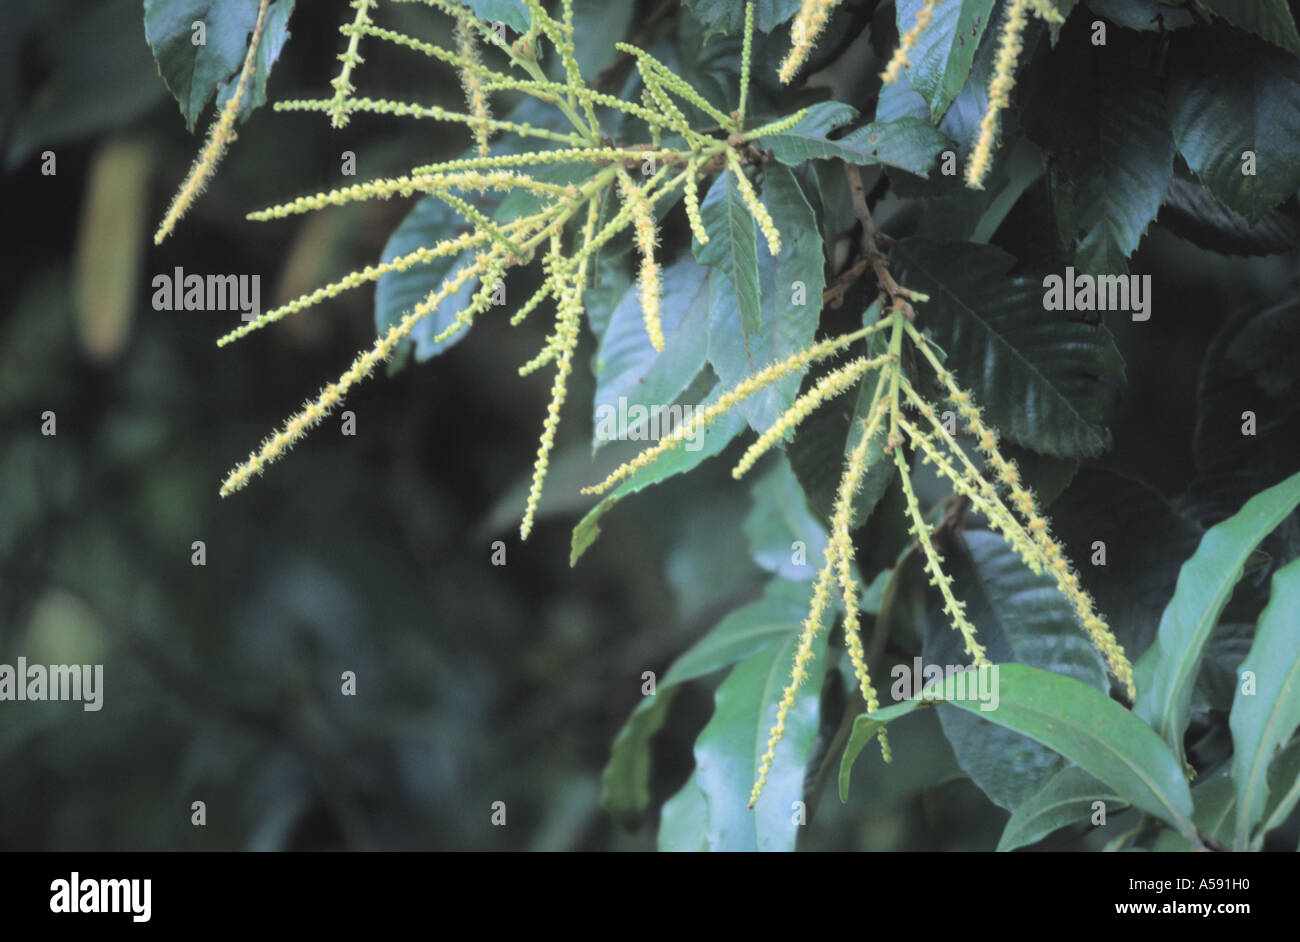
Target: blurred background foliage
{"x": 475, "y": 683}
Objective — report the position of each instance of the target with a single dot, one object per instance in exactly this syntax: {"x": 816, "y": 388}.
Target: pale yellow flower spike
{"x": 755, "y": 205}
{"x": 301, "y": 423}
{"x": 828, "y": 387}
{"x": 955, "y": 610}
{"x": 841, "y": 519}
{"x": 803, "y": 654}
{"x": 1004, "y": 79}
{"x": 728, "y": 401}
{"x": 643, "y": 222}
{"x": 567, "y": 326}
{"x": 343, "y": 89}
{"x": 807, "y": 26}
{"x": 905, "y": 44}
{"x": 476, "y": 99}
{"x": 219, "y": 137}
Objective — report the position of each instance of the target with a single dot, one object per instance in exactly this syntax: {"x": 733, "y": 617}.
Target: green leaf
{"x": 684, "y": 819}
{"x": 865, "y": 728}
{"x": 732, "y": 248}
{"x": 728, "y": 16}
{"x": 430, "y": 221}
{"x": 1141, "y": 562}
{"x": 1191, "y": 212}
{"x": 779, "y": 519}
{"x": 625, "y": 783}
{"x": 1146, "y": 15}
{"x": 636, "y": 383}
{"x": 87, "y": 81}
{"x": 941, "y": 58}
{"x": 679, "y": 460}
{"x": 1229, "y": 94}
{"x": 1043, "y": 379}
{"x": 275, "y": 32}
{"x": 1095, "y": 733}
{"x": 1064, "y": 799}
{"x": 193, "y": 72}
{"x": 1270, "y": 19}
{"x": 729, "y": 751}
{"x": 1264, "y": 719}
{"x": 908, "y": 143}
{"x": 1215, "y": 799}
{"x": 1167, "y": 672}
{"x": 1019, "y": 617}
{"x": 1283, "y": 790}
{"x": 791, "y": 287}
{"x": 1111, "y": 153}
{"x": 514, "y": 13}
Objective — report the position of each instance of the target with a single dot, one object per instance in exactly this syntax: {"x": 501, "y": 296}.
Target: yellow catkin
{"x": 343, "y": 89}
{"x": 389, "y": 187}
{"x": 899, "y": 60}
{"x": 826, "y": 388}
{"x": 726, "y": 402}
{"x": 643, "y": 224}
{"x": 1004, "y": 79}
{"x": 803, "y": 654}
{"x": 755, "y": 205}
{"x": 219, "y": 138}
{"x": 841, "y": 521}
{"x": 311, "y": 414}
{"x": 471, "y": 80}
{"x": 955, "y": 610}
{"x": 692, "y": 193}
{"x": 807, "y": 26}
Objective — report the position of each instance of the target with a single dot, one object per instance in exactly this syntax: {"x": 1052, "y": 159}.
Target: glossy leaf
{"x": 1167, "y": 672}
{"x": 1095, "y": 733}
{"x": 732, "y": 249}
{"x": 1231, "y": 95}
{"x": 1043, "y": 378}
{"x": 1266, "y": 714}
{"x": 1066, "y": 798}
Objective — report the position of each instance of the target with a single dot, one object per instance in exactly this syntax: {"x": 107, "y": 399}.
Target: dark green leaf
{"x": 941, "y": 58}
{"x": 1230, "y": 94}
{"x": 1043, "y": 380}
{"x": 728, "y": 16}
{"x": 1111, "y": 154}
{"x": 193, "y": 72}
{"x": 1270, "y": 19}
{"x": 1141, "y": 564}
{"x": 1019, "y": 617}
{"x": 1192, "y": 213}
{"x": 1142, "y": 14}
